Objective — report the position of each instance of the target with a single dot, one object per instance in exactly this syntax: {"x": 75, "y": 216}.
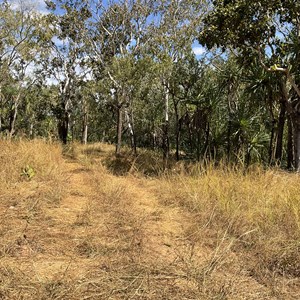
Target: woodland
{"x": 149, "y": 150}
{"x": 127, "y": 73}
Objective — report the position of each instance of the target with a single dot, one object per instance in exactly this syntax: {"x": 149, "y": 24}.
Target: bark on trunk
{"x": 290, "y": 145}
{"x": 63, "y": 127}
{"x": 131, "y": 131}
{"x": 84, "y": 125}
{"x": 198, "y": 143}
{"x": 14, "y": 116}
{"x": 13, "y": 121}
{"x": 280, "y": 131}
{"x": 178, "y": 129}
{"x": 297, "y": 142}
{"x": 84, "y": 133}
{"x": 271, "y": 145}
{"x": 166, "y": 145}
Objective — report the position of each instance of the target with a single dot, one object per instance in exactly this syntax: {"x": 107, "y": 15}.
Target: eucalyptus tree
{"x": 172, "y": 35}
{"x": 64, "y": 60}
{"x": 269, "y": 31}
{"x": 117, "y": 38}
{"x": 19, "y": 45}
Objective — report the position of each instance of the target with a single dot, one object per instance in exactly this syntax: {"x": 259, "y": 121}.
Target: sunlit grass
{"x": 98, "y": 220}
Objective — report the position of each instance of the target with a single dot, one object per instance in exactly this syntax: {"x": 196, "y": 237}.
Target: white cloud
{"x": 199, "y": 50}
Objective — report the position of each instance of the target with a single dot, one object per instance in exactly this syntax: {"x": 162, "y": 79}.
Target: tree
{"x": 64, "y": 58}
{"x": 267, "y": 30}
{"x": 117, "y": 36}
{"x": 19, "y": 44}
{"x": 171, "y": 40}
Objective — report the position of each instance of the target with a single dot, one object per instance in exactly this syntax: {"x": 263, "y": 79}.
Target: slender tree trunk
{"x": 280, "y": 131}
{"x": 166, "y": 145}
{"x": 290, "y": 145}
{"x": 13, "y": 121}
{"x": 177, "y": 130}
{"x": 271, "y": 145}
{"x": 206, "y": 147}
{"x": 14, "y": 116}
{"x": 63, "y": 115}
{"x": 191, "y": 144}
{"x": 198, "y": 143}
{"x": 131, "y": 131}
{"x": 231, "y": 107}
{"x": 292, "y": 127}
{"x": 63, "y": 127}
{"x": 84, "y": 132}
{"x": 73, "y": 130}
{"x": 229, "y": 135}
{"x": 297, "y": 141}
{"x": 119, "y": 129}
{"x": 84, "y": 124}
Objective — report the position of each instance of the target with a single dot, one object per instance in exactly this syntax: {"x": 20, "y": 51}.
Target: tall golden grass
{"x": 258, "y": 209}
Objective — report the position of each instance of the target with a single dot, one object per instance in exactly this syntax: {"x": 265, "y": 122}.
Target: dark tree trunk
{"x": 166, "y": 145}
{"x": 271, "y": 145}
{"x": 296, "y": 126}
{"x": 198, "y": 144}
{"x": 290, "y": 145}
{"x": 63, "y": 127}
{"x": 280, "y": 131}
{"x": 207, "y": 130}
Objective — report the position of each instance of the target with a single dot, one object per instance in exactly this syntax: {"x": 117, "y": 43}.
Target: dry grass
{"x": 75, "y": 230}
{"x": 259, "y": 211}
